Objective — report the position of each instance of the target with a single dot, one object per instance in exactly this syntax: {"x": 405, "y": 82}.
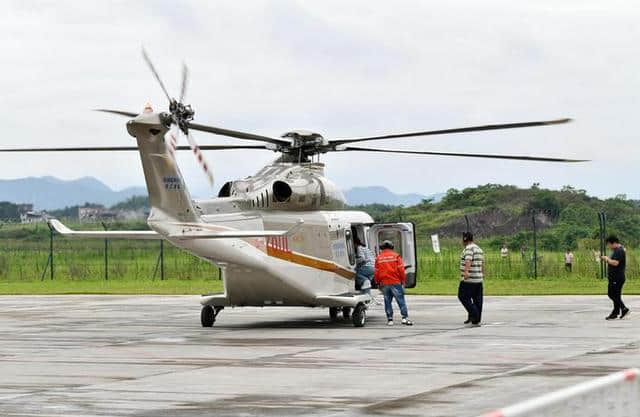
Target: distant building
{"x": 23, "y": 208}
{"x": 139, "y": 214}
{"x": 93, "y": 214}
{"x": 33, "y": 217}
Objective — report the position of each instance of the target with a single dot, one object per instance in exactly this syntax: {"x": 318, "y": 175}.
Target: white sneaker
{"x": 390, "y": 323}
{"x": 407, "y": 322}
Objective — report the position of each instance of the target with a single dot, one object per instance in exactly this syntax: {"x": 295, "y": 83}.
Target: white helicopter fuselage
{"x": 279, "y": 238}
{"x": 294, "y": 270}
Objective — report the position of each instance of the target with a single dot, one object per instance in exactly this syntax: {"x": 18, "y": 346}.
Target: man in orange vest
{"x": 390, "y": 277}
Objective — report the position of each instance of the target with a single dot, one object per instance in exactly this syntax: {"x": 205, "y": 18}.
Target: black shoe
{"x": 625, "y": 311}
{"x": 467, "y": 321}
{"x": 611, "y": 317}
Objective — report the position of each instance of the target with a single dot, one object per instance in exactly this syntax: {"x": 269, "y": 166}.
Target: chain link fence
{"x": 526, "y": 254}
{"x": 33, "y": 252}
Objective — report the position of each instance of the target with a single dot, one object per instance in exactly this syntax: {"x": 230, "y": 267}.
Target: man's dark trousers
{"x": 470, "y": 295}
{"x": 615, "y": 294}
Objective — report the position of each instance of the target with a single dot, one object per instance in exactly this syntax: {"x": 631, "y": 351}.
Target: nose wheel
{"x": 208, "y": 315}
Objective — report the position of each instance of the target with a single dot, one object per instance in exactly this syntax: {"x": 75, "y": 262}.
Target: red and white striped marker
{"x": 200, "y": 158}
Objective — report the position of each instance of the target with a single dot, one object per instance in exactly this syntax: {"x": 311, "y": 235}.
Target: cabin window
{"x": 351, "y": 252}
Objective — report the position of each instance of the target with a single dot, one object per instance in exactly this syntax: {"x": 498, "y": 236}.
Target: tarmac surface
{"x": 148, "y": 356}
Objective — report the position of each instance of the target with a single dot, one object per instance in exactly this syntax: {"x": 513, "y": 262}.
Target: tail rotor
{"x": 180, "y": 115}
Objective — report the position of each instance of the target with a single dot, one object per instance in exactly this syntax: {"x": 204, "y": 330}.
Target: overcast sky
{"x": 341, "y": 68}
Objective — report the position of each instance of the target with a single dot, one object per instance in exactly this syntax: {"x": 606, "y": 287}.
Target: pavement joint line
{"x": 495, "y": 376}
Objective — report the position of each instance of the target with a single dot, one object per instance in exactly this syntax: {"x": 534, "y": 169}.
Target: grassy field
{"x": 79, "y": 268}
{"x": 543, "y": 286}
{"x": 140, "y": 286}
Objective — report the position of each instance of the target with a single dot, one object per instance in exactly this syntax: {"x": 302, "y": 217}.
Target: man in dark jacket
{"x": 390, "y": 277}
{"x": 617, "y": 263}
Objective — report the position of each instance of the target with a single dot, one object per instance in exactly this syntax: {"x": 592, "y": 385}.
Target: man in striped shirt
{"x": 471, "y": 277}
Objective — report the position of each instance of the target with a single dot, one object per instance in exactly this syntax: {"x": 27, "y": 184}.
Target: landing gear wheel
{"x": 207, "y": 316}
{"x": 359, "y": 316}
{"x": 333, "y": 313}
{"x": 346, "y": 313}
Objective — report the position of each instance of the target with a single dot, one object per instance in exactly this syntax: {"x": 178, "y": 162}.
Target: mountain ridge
{"x": 50, "y": 193}
{"x": 357, "y": 196}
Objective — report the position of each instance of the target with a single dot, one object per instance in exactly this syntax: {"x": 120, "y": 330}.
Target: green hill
{"x": 503, "y": 213}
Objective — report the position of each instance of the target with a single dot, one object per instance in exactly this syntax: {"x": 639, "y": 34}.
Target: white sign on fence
{"x": 435, "y": 241}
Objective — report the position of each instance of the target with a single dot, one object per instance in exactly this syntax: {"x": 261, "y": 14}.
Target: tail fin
{"x": 168, "y": 194}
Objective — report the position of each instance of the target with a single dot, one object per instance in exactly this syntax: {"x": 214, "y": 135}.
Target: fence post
{"x": 106, "y": 254}
{"x": 602, "y": 218}
{"x": 535, "y": 246}
{"x": 50, "y": 258}
{"x": 160, "y": 262}
{"x": 601, "y": 245}
{"x": 161, "y": 259}
{"x": 604, "y": 245}
{"x": 51, "y": 249}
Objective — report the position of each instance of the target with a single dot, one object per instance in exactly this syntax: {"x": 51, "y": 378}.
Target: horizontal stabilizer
{"x": 210, "y": 231}
{"x": 107, "y": 234}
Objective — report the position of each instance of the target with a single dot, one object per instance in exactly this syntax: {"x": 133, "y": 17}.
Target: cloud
{"x": 340, "y": 68}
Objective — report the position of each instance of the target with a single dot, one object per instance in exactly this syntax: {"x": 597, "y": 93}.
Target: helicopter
{"x": 281, "y": 237}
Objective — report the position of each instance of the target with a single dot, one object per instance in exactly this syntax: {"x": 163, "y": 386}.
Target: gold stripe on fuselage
{"x": 311, "y": 262}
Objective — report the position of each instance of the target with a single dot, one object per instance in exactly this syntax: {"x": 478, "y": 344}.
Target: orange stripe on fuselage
{"x": 304, "y": 260}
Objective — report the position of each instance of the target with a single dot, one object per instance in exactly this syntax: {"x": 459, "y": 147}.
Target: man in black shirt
{"x": 616, "y": 265}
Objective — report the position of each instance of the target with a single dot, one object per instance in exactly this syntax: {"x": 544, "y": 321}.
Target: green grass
{"x": 541, "y": 286}
{"x": 544, "y": 286}
{"x": 146, "y": 286}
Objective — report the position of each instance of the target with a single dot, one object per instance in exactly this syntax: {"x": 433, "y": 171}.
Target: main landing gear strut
{"x": 358, "y": 316}
{"x": 208, "y": 315}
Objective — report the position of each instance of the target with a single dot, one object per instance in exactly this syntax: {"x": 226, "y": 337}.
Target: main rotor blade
{"x": 155, "y": 73}
{"x": 212, "y": 129}
{"x": 119, "y": 112}
{"x": 237, "y": 134}
{"x": 135, "y": 148}
{"x": 457, "y": 130}
{"x": 185, "y": 81}
{"x": 465, "y": 155}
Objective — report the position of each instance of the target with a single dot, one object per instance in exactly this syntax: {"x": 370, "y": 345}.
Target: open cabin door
{"x": 404, "y": 239}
